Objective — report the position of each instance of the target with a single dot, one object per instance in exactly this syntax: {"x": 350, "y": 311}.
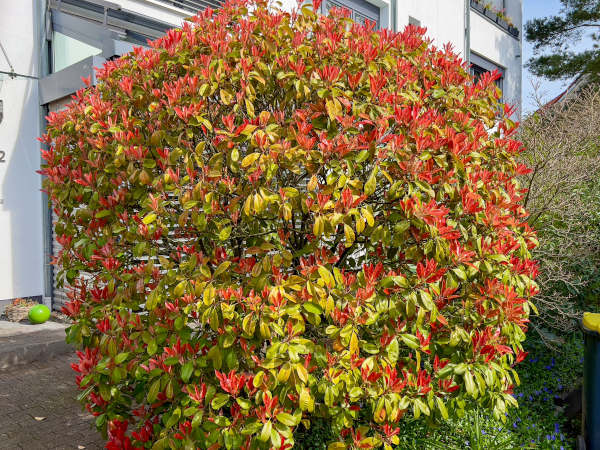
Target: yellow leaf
{"x": 368, "y": 216}
{"x": 326, "y": 275}
{"x": 302, "y": 372}
{"x": 350, "y": 236}
{"x": 336, "y": 446}
{"x": 307, "y": 403}
{"x": 371, "y": 182}
{"x": 250, "y": 159}
{"x": 353, "y": 344}
{"x": 248, "y": 205}
{"x": 250, "y": 108}
{"x": 312, "y": 184}
{"x": 226, "y": 96}
{"x": 334, "y": 108}
{"x": 149, "y": 218}
{"x": 318, "y": 226}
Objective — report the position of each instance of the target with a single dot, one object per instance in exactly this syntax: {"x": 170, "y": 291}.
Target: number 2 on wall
{"x": 2, "y": 156}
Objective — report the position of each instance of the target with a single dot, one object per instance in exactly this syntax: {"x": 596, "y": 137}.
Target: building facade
{"x": 47, "y": 46}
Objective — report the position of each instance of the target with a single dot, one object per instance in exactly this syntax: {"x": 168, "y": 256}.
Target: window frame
{"x": 362, "y": 8}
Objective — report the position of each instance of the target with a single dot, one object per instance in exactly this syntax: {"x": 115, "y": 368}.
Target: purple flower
{"x": 556, "y": 428}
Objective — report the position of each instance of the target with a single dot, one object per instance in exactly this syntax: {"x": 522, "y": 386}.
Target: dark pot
{"x": 490, "y": 14}
{"x": 514, "y": 31}
{"x": 477, "y": 6}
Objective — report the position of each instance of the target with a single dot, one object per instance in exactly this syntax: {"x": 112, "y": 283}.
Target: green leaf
{"x": 441, "y": 407}
{"x": 265, "y": 434}
{"x": 219, "y": 401}
{"x": 362, "y": 156}
{"x": 190, "y": 204}
{"x": 371, "y": 182}
{"x": 225, "y": 233}
{"x": 393, "y": 350}
{"x": 287, "y": 419}
{"x": 312, "y": 308}
{"x": 153, "y": 391}
{"x": 121, "y": 357}
{"x": 174, "y": 418}
{"x": 103, "y": 213}
{"x": 410, "y": 340}
{"x": 186, "y": 371}
{"x": 222, "y": 268}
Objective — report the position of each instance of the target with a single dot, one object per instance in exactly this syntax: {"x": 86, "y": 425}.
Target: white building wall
{"x": 444, "y": 20}
{"x": 21, "y": 220}
{"x": 495, "y": 44}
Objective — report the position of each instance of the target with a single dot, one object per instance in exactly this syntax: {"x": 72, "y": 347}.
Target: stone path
{"x": 44, "y": 389}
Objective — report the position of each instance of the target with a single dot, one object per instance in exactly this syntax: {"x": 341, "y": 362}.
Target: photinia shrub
{"x": 268, "y": 217}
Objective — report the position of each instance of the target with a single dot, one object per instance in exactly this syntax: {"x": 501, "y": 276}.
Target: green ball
{"x": 39, "y": 314}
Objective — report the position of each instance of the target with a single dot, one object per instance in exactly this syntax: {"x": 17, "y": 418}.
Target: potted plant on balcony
{"x": 513, "y": 30}
{"x": 490, "y": 12}
{"x": 478, "y": 6}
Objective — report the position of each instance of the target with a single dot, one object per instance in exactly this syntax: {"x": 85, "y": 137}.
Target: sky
{"x": 547, "y": 89}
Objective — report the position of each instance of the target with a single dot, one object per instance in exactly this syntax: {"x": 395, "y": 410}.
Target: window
{"x": 360, "y": 10}
{"x": 480, "y": 65}
{"x": 67, "y": 50}
{"x": 413, "y": 21}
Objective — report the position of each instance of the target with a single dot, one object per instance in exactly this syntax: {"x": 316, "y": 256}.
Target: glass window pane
{"x": 67, "y": 51}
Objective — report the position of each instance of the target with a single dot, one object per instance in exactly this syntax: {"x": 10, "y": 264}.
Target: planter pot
{"x": 502, "y": 23}
{"x": 513, "y": 30}
{"x": 477, "y": 6}
{"x": 17, "y": 313}
{"x": 490, "y": 14}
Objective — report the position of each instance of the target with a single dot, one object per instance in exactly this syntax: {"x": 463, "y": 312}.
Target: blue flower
{"x": 556, "y": 428}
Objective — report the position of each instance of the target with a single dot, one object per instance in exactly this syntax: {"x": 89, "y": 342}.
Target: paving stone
{"x": 44, "y": 389}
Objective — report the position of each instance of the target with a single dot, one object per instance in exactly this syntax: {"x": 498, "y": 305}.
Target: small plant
{"x": 270, "y": 219}
{"x": 499, "y": 12}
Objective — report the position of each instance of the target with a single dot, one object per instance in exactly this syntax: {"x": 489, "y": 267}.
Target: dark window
{"x": 360, "y": 10}
{"x": 413, "y": 21}
{"x": 480, "y": 65}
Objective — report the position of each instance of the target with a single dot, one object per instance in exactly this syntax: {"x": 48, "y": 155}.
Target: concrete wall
{"x": 21, "y": 220}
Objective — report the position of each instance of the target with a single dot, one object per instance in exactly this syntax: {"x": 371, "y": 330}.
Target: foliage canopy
{"x": 272, "y": 216}
{"x": 558, "y": 34}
